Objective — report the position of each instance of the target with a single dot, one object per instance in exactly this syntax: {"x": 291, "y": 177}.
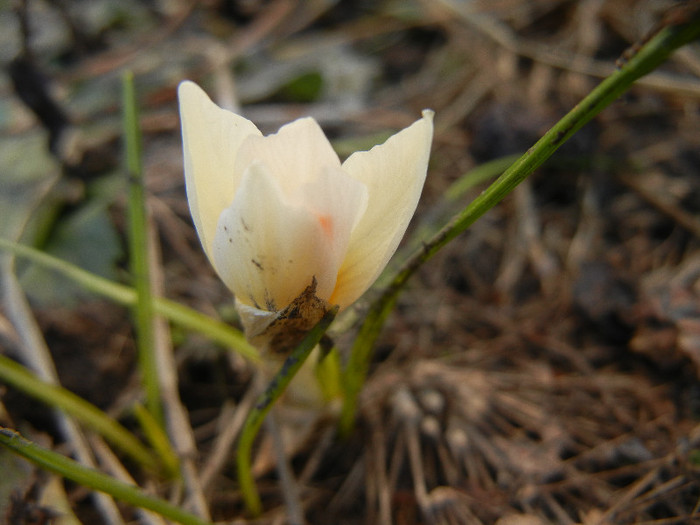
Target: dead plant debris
{"x": 543, "y": 369}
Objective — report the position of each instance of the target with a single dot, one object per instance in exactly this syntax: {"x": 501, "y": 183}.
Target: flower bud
{"x": 289, "y": 228}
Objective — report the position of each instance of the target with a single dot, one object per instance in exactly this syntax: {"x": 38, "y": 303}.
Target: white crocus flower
{"x": 282, "y": 221}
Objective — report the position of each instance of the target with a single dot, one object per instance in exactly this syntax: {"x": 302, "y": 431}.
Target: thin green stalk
{"x": 478, "y": 175}
{"x": 649, "y": 56}
{"x": 328, "y": 373}
{"x": 19, "y": 377}
{"x": 138, "y": 244}
{"x": 158, "y": 439}
{"x": 265, "y": 402}
{"x": 445, "y": 209}
{"x": 93, "y": 479}
{"x": 180, "y": 314}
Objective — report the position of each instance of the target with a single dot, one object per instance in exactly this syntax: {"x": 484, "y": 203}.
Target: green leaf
{"x": 303, "y": 89}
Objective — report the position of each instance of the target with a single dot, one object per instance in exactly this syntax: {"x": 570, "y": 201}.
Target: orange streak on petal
{"x": 326, "y": 222}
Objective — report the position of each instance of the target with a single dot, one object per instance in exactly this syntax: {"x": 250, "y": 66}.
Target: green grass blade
{"x": 480, "y": 174}
{"x": 177, "y": 313}
{"x": 93, "y": 479}
{"x": 88, "y": 414}
{"x": 156, "y": 436}
{"x": 139, "y": 259}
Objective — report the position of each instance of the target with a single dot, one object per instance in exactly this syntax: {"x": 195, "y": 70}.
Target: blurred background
{"x": 543, "y": 368}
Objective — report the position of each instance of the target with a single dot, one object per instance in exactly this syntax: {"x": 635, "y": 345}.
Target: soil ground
{"x": 542, "y": 368}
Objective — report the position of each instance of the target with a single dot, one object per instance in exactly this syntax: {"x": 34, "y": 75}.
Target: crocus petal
{"x": 294, "y": 155}
{"x": 268, "y": 250}
{"x": 211, "y": 138}
{"x": 338, "y": 201}
{"x": 394, "y": 173}
{"x": 254, "y": 320}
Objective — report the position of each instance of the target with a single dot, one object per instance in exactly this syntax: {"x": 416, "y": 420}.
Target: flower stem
{"x": 93, "y": 479}
{"x": 19, "y": 377}
{"x": 648, "y": 57}
{"x": 263, "y": 405}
